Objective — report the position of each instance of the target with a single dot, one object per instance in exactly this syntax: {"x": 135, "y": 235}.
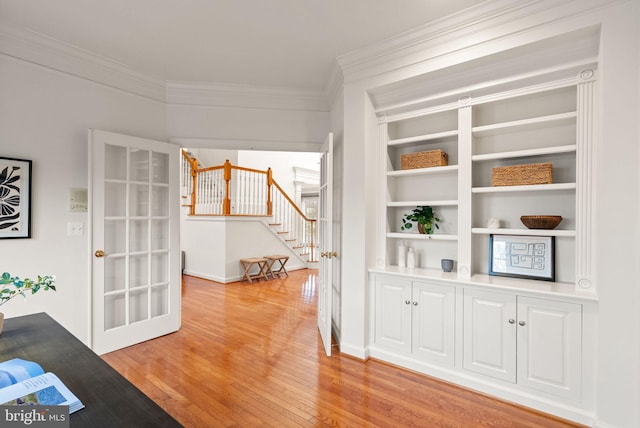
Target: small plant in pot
{"x": 11, "y": 287}
{"x": 424, "y": 217}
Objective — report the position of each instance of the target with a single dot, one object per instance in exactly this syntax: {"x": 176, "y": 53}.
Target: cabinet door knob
{"x": 522, "y": 323}
{"x": 408, "y": 302}
{"x": 512, "y": 321}
{"x": 415, "y": 303}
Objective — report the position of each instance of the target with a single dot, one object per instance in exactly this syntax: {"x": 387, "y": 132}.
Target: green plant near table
{"x": 11, "y": 287}
{"x": 424, "y": 217}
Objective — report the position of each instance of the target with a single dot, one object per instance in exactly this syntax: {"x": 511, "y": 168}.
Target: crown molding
{"x": 551, "y": 59}
{"x": 246, "y": 96}
{"x": 358, "y": 64}
{"x": 54, "y": 54}
{"x": 437, "y": 40}
{"x": 335, "y": 81}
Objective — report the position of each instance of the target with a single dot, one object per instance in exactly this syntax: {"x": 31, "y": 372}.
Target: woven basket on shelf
{"x": 427, "y": 159}
{"x": 520, "y": 175}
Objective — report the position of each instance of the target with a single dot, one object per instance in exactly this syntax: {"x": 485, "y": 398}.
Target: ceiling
{"x": 273, "y": 43}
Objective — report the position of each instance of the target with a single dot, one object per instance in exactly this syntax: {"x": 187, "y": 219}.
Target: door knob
{"x": 522, "y": 323}
{"x": 99, "y": 253}
{"x": 512, "y": 321}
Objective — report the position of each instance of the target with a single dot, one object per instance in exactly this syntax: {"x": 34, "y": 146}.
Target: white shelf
{"x": 422, "y": 203}
{"x": 424, "y": 171}
{"x": 523, "y": 232}
{"x": 524, "y": 153}
{"x": 528, "y": 188}
{"x": 423, "y": 138}
{"x": 436, "y": 237}
{"x": 543, "y": 288}
{"x": 554, "y": 119}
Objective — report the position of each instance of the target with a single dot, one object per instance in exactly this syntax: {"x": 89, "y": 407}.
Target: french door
{"x": 325, "y": 228}
{"x": 135, "y": 245}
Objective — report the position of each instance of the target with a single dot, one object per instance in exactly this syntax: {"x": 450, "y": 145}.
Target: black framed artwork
{"x": 15, "y": 198}
{"x": 530, "y": 257}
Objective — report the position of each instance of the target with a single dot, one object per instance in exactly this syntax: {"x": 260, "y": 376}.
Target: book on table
{"x": 24, "y": 382}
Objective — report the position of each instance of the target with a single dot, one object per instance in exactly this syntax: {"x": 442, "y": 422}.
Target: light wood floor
{"x": 249, "y": 355}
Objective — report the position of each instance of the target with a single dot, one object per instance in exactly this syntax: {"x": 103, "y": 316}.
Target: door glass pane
{"x": 115, "y": 236}
{"x": 138, "y": 307}
{"x": 115, "y": 198}
{"x": 159, "y": 268}
{"x": 160, "y": 234}
{"x": 160, "y": 201}
{"x": 114, "y": 311}
{"x": 115, "y": 162}
{"x": 159, "y": 300}
{"x": 139, "y": 200}
{"x": 139, "y": 235}
{"x": 114, "y": 274}
{"x": 138, "y": 271}
{"x": 139, "y": 165}
{"x": 160, "y": 167}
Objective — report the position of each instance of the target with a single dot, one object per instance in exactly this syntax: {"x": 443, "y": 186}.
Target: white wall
{"x": 232, "y": 127}
{"x": 215, "y": 245}
{"x": 44, "y": 116}
{"x": 618, "y": 377}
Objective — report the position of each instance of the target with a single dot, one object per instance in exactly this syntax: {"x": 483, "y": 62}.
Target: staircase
{"x": 228, "y": 190}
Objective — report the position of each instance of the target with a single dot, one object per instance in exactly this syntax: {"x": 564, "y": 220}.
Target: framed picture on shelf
{"x": 15, "y": 198}
{"x": 530, "y": 257}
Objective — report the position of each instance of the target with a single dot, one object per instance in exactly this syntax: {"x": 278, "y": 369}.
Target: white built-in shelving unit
{"x": 544, "y": 122}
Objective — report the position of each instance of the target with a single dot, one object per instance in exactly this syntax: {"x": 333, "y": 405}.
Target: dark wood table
{"x": 110, "y": 400}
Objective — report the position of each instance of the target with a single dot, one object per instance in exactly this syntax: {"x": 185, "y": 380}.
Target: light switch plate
{"x": 75, "y": 229}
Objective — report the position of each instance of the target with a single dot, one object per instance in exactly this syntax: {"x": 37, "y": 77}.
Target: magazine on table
{"x": 25, "y": 383}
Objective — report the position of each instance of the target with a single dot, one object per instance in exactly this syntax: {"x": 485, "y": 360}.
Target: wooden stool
{"x": 262, "y": 265}
{"x": 272, "y": 260}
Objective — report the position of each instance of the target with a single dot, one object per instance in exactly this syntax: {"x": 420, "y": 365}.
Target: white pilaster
{"x": 586, "y": 134}
{"x": 465, "y": 139}
{"x": 383, "y": 193}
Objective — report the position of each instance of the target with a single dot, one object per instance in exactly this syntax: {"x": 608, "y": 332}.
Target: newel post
{"x": 269, "y": 183}
{"x": 194, "y": 178}
{"x": 226, "y": 205}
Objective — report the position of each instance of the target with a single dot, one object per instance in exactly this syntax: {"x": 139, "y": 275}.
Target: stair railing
{"x": 229, "y": 190}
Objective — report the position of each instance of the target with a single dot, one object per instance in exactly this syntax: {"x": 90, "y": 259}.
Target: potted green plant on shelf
{"x": 424, "y": 217}
{"x": 11, "y": 287}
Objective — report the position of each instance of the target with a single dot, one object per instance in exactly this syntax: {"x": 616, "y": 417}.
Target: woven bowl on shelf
{"x": 541, "y": 221}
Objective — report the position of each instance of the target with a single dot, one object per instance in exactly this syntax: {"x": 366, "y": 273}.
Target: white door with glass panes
{"x": 135, "y": 244}
{"x": 327, "y": 253}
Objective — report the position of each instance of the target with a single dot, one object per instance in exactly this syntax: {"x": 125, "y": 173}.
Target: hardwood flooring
{"x": 249, "y": 355}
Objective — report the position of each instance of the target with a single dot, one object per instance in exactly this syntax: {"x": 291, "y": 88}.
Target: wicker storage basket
{"x": 520, "y": 175}
{"x": 424, "y": 159}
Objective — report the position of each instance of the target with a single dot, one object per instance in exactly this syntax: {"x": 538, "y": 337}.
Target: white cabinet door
{"x": 434, "y": 322}
{"x": 393, "y": 313}
{"x": 549, "y": 346}
{"x": 490, "y": 334}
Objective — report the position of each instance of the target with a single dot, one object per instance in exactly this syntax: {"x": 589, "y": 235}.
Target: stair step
{"x": 283, "y": 233}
